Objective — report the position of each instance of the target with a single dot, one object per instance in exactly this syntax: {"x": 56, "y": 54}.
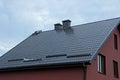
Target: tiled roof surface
{"x": 80, "y": 44}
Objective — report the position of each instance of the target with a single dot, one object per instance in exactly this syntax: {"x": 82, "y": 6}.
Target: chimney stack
{"x": 66, "y": 24}
{"x": 58, "y": 26}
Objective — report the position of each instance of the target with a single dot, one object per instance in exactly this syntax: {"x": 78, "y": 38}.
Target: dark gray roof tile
{"x": 53, "y": 47}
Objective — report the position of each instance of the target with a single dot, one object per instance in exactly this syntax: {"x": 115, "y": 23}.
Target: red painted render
{"x": 111, "y": 54}
{"x": 52, "y": 74}
{"x": 74, "y": 73}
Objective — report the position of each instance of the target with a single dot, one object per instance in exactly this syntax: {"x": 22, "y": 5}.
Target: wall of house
{"x": 111, "y": 54}
{"x": 46, "y": 74}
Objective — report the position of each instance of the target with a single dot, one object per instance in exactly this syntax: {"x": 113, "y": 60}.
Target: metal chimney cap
{"x": 67, "y": 20}
{"x": 57, "y": 24}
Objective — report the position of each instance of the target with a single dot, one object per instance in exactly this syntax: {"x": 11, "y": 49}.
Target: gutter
{"x": 45, "y": 66}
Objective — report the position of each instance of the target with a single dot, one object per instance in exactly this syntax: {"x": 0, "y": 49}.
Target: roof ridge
{"x": 97, "y": 21}
{"x": 87, "y": 23}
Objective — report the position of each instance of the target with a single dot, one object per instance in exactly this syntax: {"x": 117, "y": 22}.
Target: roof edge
{"x": 104, "y": 41}
{"x": 97, "y": 21}
{"x": 46, "y": 66}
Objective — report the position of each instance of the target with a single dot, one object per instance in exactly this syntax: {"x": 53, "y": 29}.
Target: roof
{"x": 79, "y": 45}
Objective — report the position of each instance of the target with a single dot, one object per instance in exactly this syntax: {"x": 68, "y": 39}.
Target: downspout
{"x": 84, "y": 71}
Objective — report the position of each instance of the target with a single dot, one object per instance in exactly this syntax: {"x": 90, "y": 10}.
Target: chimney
{"x": 66, "y": 24}
{"x": 58, "y": 26}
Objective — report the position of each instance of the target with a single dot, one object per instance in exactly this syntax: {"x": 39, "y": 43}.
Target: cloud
{"x": 20, "y": 18}
{"x": 5, "y": 46}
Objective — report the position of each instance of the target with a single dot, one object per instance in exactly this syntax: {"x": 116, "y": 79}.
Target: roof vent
{"x": 26, "y": 59}
{"x": 37, "y": 32}
{"x": 58, "y": 26}
{"x": 11, "y": 60}
{"x": 29, "y": 60}
{"x": 78, "y": 55}
{"x": 66, "y": 24}
{"x": 57, "y": 55}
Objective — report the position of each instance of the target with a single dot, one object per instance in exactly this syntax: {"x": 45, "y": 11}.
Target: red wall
{"x": 111, "y": 54}
{"x": 52, "y": 74}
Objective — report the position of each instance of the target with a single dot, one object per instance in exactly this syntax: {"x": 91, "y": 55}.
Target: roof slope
{"x": 52, "y": 47}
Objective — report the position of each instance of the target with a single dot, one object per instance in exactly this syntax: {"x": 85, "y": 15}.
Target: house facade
{"x": 111, "y": 54}
{"x": 90, "y": 52}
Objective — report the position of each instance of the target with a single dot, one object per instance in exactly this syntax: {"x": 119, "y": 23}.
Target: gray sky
{"x": 20, "y": 18}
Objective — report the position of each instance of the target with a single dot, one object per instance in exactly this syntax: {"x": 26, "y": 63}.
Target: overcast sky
{"x": 20, "y": 18}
